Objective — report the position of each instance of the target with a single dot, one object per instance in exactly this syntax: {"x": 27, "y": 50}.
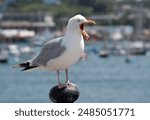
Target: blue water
{"x": 99, "y": 80}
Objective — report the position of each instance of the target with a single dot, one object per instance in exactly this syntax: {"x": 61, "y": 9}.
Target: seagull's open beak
{"x": 84, "y": 33}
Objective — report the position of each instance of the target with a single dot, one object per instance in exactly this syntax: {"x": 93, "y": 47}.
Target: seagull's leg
{"x": 59, "y": 83}
{"x": 58, "y": 76}
{"x": 67, "y": 78}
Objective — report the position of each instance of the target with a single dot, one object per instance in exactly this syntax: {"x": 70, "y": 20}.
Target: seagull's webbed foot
{"x": 69, "y": 83}
{"x": 60, "y": 85}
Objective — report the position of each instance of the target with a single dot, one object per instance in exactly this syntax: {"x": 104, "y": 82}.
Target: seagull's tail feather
{"x": 25, "y": 66}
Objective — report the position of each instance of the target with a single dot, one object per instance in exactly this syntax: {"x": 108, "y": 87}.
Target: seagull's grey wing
{"x": 52, "y": 49}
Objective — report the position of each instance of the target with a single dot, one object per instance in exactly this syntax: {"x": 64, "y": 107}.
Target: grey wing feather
{"x": 52, "y": 49}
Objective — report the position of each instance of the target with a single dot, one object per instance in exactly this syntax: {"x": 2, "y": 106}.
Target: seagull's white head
{"x": 77, "y": 23}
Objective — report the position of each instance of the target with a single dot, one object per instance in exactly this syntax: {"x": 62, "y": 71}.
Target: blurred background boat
{"x": 3, "y": 55}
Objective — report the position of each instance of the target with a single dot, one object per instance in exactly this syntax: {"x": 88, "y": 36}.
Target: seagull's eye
{"x": 78, "y": 20}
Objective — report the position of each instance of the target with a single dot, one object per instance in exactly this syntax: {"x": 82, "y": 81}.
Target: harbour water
{"x": 99, "y": 80}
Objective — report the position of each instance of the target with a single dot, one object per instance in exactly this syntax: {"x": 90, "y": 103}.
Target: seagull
{"x": 60, "y": 53}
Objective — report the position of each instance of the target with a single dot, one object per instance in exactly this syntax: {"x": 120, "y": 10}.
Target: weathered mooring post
{"x": 68, "y": 94}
